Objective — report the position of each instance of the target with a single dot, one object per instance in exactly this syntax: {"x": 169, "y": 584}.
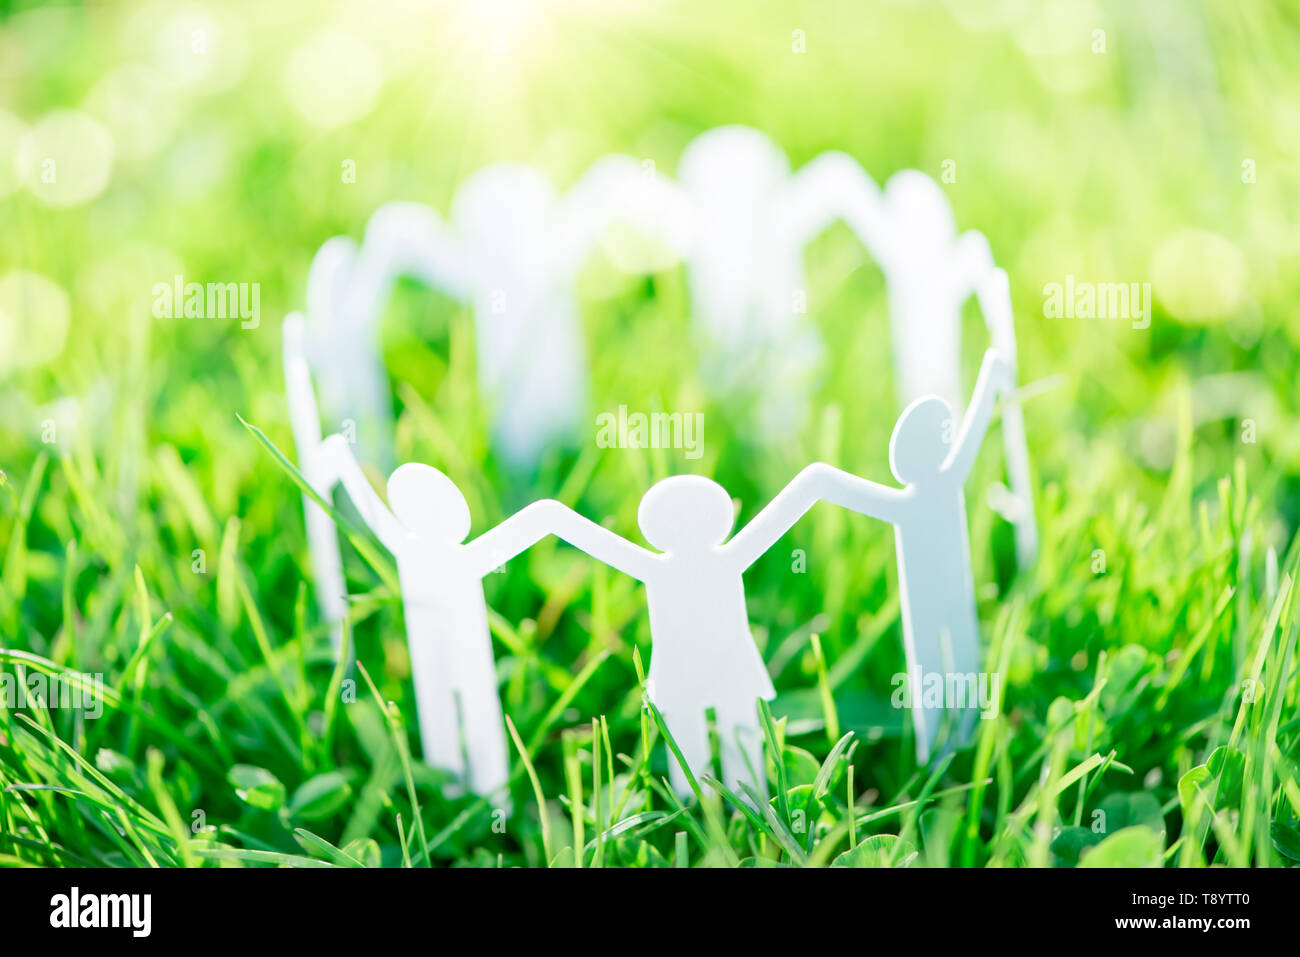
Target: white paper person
{"x": 937, "y": 593}
{"x": 452, "y": 668}
{"x": 424, "y": 525}
{"x": 703, "y": 655}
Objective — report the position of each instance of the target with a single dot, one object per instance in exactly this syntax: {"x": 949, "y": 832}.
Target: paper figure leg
{"x": 691, "y": 732}
{"x": 741, "y": 745}
{"x": 481, "y": 719}
{"x": 964, "y": 652}
{"x": 432, "y": 672}
{"x": 925, "y": 665}
{"x": 943, "y": 663}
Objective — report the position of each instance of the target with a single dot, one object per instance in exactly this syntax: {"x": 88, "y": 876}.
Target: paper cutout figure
{"x": 703, "y": 654}
{"x": 937, "y": 592}
{"x": 525, "y": 247}
{"x": 513, "y": 251}
{"x": 322, "y": 536}
{"x": 441, "y": 577}
{"x": 930, "y": 272}
{"x": 750, "y": 222}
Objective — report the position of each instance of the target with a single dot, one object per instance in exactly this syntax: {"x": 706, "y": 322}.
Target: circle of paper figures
{"x": 703, "y": 656}
{"x": 740, "y": 219}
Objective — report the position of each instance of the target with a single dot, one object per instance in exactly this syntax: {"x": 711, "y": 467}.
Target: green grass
{"x": 1149, "y": 663}
{"x": 1160, "y": 693}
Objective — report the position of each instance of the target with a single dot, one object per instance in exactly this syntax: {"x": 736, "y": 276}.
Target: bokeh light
{"x": 34, "y": 314}
{"x": 333, "y": 79}
{"x": 66, "y": 158}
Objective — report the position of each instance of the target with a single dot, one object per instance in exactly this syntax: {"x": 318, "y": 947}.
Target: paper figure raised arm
{"x": 344, "y": 469}
{"x": 859, "y": 494}
{"x": 606, "y": 546}
{"x": 777, "y": 517}
{"x": 618, "y": 190}
{"x": 994, "y": 378}
{"x": 520, "y": 531}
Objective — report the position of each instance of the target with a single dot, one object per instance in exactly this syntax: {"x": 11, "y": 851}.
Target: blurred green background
{"x": 209, "y": 141}
{"x": 1151, "y": 142}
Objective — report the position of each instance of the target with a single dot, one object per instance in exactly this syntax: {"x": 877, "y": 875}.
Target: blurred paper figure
{"x": 322, "y": 536}
{"x": 532, "y": 366}
{"x": 513, "y": 251}
{"x": 930, "y": 273}
{"x": 750, "y": 222}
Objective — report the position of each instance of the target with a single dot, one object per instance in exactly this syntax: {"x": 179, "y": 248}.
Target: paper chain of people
{"x": 702, "y": 655}
{"x": 740, "y": 219}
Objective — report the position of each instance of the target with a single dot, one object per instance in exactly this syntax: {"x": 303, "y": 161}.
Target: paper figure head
{"x": 685, "y": 513}
{"x": 505, "y": 211}
{"x": 733, "y": 161}
{"x": 921, "y": 440}
{"x": 920, "y": 212}
{"x": 428, "y": 503}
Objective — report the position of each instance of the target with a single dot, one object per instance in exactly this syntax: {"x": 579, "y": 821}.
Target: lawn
{"x": 149, "y": 534}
